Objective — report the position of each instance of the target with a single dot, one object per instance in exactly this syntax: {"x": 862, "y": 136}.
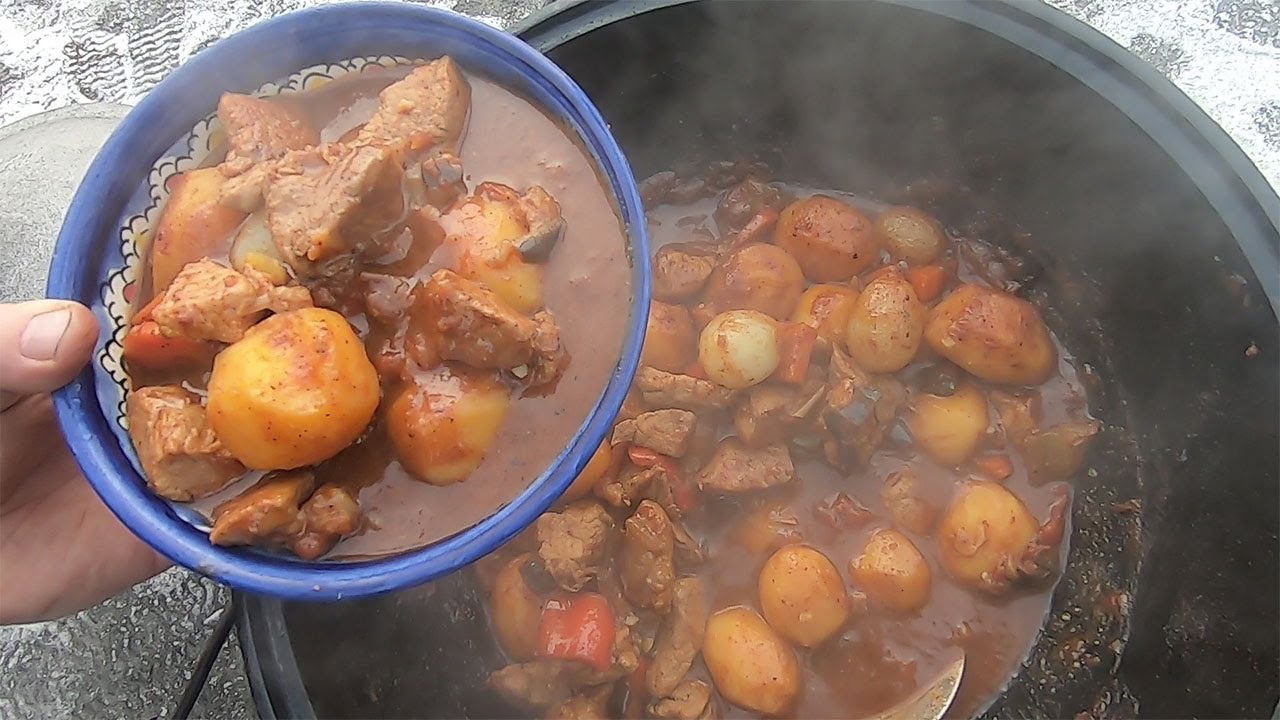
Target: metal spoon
{"x": 932, "y": 701}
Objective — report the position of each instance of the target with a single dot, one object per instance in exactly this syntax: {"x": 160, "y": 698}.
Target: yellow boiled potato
{"x": 669, "y": 339}
{"x": 892, "y": 572}
{"x": 826, "y": 308}
{"x": 192, "y": 226}
{"x": 910, "y": 234}
{"x": 992, "y": 334}
{"x": 802, "y": 595}
{"x": 766, "y": 529}
{"x": 739, "y": 348}
{"x": 505, "y": 272}
{"x": 483, "y": 231}
{"x": 886, "y": 325}
{"x": 831, "y": 240}
{"x": 983, "y": 535}
{"x": 516, "y": 610}
{"x": 751, "y": 665}
{"x": 756, "y": 277}
{"x": 443, "y": 424}
{"x": 296, "y": 390}
{"x": 949, "y": 429}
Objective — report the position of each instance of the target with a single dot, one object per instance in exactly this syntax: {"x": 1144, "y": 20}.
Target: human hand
{"x": 61, "y": 549}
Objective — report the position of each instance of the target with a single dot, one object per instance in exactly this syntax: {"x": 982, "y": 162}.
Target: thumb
{"x": 43, "y": 345}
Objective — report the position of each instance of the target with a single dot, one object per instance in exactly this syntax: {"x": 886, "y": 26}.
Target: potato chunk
{"x": 886, "y": 324}
{"x": 802, "y": 595}
{"x": 910, "y": 234}
{"x": 443, "y": 425}
{"x": 669, "y": 341}
{"x": 992, "y": 334}
{"x": 984, "y": 534}
{"x": 826, "y": 308}
{"x": 751, "y": 665}
{"x": 949, "y": 428}
{"x": 193, "y": 225}
{"x": 756, "y": 277}
{"x": 892, "y": 572}
{"x": 483, "y": 234}
{"x": 830, "y": 239}
{"x": 294, "y": 391}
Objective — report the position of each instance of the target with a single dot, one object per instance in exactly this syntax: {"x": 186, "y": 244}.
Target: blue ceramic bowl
{"x": 96, "y": 260}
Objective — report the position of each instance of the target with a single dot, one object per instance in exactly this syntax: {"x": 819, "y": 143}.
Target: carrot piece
{"x": 795, "y": 346}
{"x": 928, "y": 280}
{"x": 994, "y": 467}
{"x": 146, "y": 346}
{"x": 578, "y": 627}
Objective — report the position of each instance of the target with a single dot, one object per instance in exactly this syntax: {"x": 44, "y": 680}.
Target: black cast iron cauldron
{"x": 1146, "y": 234}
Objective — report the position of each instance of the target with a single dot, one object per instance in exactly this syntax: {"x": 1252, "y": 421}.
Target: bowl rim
{"x": 124, "y": 491}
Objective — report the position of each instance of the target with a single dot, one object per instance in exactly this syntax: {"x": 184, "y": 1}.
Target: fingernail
{"x": 40, "y": 339}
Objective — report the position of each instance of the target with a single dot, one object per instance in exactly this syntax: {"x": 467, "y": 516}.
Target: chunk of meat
{"x": 691, "y": 700}
{"x": 630, "y": 486}
{"x": 331, "y": 514}
{"x": 679, "y": 637}
{"x": 471, "y": 324}
{"x": 745, "y": 200}
{"x": 769, "y": 413}
{"x": 537, "y": 684}
{"x": 647, "y": 557}
{"x": 572, "y": 543}
{"x": 180, "y": 454}
{"x": 680, "y": 270}
{"x": 427, "y": 108}
{"x": 259, "y": 129}
{"x": 269, "y": 514}
{"x": 736, "y": 468}
{"x": 208, "y": 301}
{"x": 664, "y": 431}
{"x": 861, "y": 408}
{"x": 905, "y": 501}
{"x": 664, "y": 389}
{"x": 588, "y": 705}
{"x": 387, "y": 298}
{"x": 842, "y": 511}
{"x": 1019, "y": 413}
{"x": 245, "y": 191}
{"x": 331, "y": 200}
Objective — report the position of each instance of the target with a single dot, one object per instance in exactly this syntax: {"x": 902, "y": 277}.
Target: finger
{"x": 25, "y": 432}
{"x": 66, "y": 551}
{"x": 43, "y": 345}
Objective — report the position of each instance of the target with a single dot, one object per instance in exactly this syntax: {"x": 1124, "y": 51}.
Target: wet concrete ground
{"x": 131, "y": 656}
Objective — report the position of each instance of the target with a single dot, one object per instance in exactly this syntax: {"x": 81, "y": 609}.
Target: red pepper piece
{"x": 578, "y": 627}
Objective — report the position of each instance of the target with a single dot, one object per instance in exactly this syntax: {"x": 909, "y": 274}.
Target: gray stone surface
{"x": 131, "y": 656}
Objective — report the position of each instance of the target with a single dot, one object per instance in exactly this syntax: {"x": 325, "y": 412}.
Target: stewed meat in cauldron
{"x": 846, "y": 455}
